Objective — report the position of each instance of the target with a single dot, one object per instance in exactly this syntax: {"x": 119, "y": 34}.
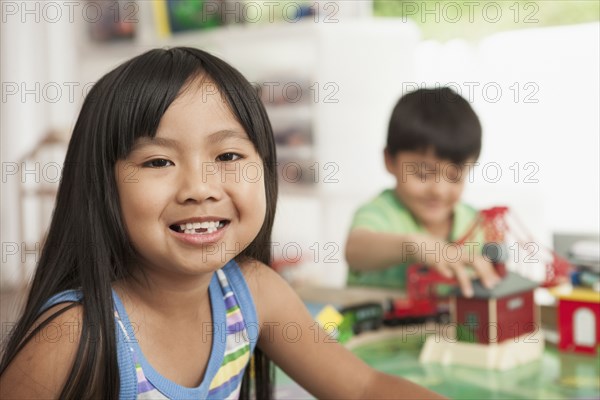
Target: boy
{"x": 433, "y": 136}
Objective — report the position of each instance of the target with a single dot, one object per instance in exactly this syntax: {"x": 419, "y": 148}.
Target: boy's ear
{"x": 390, "y": 161}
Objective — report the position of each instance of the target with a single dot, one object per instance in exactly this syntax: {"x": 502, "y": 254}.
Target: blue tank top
{"x": 235, "y": 329}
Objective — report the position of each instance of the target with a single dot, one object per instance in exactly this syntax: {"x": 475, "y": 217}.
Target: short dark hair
{"x": 437, "y": 119}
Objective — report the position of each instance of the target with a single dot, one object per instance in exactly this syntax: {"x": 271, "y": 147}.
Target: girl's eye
{"x": 229, "y": 157}
{"x": 158, "y": 163}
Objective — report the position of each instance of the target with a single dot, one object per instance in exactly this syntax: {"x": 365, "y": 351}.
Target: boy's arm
{"x": 295, "y": 342}
{"x": 368, "y": 250}
{"x": 40, "y": 369}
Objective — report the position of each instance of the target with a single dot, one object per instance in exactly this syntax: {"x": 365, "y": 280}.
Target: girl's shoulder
{"x": 41, "y": 367}
{"x": 256, "y": 274}
{"x": 244, "y": 274}
{"x": 270, "y": 292}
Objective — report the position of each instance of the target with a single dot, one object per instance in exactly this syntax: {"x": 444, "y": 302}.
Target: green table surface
{"x": 556, "y": 375}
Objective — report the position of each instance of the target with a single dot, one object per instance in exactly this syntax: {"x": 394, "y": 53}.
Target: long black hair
{"x": 87, "y": 247}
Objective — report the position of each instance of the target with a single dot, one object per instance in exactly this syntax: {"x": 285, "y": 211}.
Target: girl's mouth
{"x": 195, "y": 228}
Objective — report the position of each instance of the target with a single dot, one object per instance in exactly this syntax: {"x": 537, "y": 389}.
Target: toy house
{"x": 493, "y": 316}
{"x": 579, "y": 320}
{"x": 495, "y": 329}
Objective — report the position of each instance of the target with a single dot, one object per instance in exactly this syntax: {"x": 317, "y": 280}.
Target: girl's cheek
{"x": 128, "y": 174}
{"x": 242, "y": 173}
{"x": 247, "y": 175}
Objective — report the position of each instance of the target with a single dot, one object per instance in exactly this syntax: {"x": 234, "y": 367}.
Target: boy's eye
{"x": 228, "y": 157}
{"x": 157, "y": 163}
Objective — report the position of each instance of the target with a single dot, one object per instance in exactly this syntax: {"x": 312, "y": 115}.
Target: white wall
{"x": 560, "y": 133}
{"x": 38, "y": 71}
{"x": 545, "y": 119}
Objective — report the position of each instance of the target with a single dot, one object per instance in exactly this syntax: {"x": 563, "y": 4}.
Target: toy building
{"x": 494, "y": 329}
{"x": 497, "y": 328}
{"x": 579, "y": 320}
{"x": 493, "y": 316}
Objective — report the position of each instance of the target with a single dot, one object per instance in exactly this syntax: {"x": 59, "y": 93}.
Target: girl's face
{"x": 193, "y": 197}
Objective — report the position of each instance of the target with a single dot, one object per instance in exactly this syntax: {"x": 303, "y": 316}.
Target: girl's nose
{"x": 199, "y": 184}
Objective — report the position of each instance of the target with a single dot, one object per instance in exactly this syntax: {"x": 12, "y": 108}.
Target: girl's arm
{"x": 40, "y": 369}
{"x": 294, "y": 341}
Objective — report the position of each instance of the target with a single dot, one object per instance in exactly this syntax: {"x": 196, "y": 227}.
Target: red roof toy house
{"x": 493, "y": 316}
{"x": 579, "y": 320}
{"x": 497, "y": 328}
{"x": 494, "y": 329}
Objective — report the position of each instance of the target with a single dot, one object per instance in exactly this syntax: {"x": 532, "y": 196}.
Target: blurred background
{"x": 329, "y": 73}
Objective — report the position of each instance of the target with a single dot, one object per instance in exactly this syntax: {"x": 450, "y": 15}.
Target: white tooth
{"x": 211, "y": 230}
{"x": 197, "y": 225}
{"x": 189, "y": 225}
{"x": 212, "y": 224}
{"x": 187, "y": 231}
{"x": 182, "y": 227}
{"x": 204, "y": 225}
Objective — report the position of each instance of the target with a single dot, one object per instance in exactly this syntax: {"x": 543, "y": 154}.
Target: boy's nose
{"x": 199, "y": 184}
{"x": 439, "y": 187}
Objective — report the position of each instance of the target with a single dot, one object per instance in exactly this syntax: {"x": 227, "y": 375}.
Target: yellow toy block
{"x": 329, "y": 318}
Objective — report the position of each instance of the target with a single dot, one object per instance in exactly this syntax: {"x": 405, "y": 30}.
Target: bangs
{"x": 142, "y": 90}
{"x": 130, "y": 101}
{"x": 449, "y": 138}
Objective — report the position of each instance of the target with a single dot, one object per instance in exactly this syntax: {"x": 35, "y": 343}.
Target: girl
{"x": 153, "y": 281}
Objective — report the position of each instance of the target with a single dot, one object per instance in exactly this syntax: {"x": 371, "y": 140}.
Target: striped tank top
{"x": 234, "y": 329}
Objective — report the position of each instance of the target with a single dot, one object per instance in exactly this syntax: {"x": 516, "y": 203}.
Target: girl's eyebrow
{"x": 225, "y": 134}
{"x": 156, "y": 141}
{"x": 213, "y": 138}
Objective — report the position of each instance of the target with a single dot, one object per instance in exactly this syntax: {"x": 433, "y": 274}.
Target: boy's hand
{"x": 452, "y": 260}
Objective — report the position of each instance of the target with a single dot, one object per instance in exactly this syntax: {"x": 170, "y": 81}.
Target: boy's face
{"x": 428, "y": 186}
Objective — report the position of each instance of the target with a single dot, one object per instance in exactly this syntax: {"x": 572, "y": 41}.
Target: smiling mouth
{"x": 199, "y": 227}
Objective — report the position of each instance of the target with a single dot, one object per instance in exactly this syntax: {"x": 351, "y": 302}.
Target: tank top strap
{"x": 240, "y": 323}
